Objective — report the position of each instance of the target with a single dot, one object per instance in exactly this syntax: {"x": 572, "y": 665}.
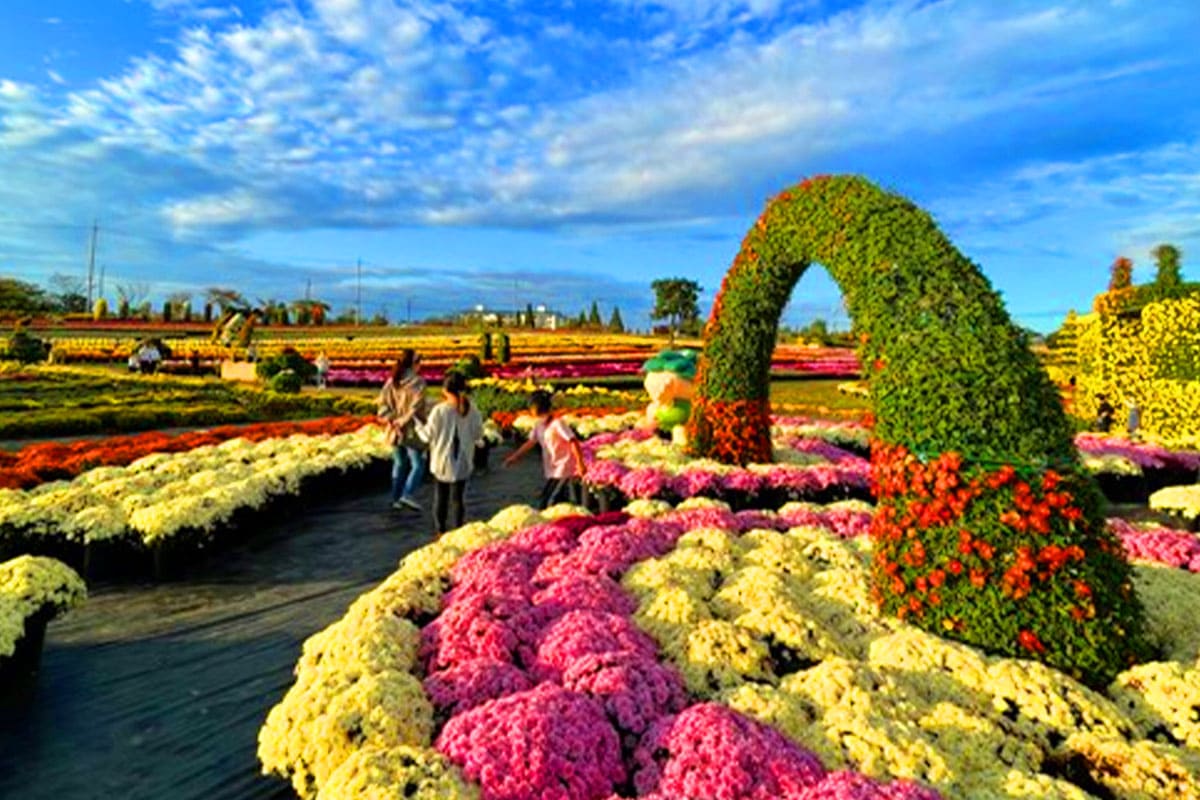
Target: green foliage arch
{"x": 986, "y": 529}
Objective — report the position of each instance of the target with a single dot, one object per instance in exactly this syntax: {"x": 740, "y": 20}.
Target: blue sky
{"x": 473, "y": 151}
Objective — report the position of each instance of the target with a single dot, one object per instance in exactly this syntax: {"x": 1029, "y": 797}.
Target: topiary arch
{"x": 986, "y": 529}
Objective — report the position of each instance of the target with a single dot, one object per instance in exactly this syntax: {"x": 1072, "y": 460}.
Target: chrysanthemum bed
{"x": 694, "y": 652}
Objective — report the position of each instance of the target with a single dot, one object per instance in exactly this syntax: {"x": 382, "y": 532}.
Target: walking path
{"x": 150, "y": 691}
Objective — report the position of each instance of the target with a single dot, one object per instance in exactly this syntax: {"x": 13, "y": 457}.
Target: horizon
{"x": 471, "y": 154}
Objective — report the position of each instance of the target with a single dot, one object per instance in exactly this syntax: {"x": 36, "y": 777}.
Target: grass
{"x": 817, "y": 397}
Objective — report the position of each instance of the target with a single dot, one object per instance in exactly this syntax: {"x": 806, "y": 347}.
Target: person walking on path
{"x": 322, "y": 370}
{"x": 562, "y": 455}
{"x": 1134, "y": 421}
{"x": 1104, "y": 415}
{"x": 402, "y": 405}
{"x": 453, "y": 430}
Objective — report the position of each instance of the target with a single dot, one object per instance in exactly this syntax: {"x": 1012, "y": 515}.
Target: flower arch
{"x": 986, "y": 529}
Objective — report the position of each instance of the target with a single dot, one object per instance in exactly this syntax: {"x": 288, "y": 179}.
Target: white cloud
{"x": 11, "y": 90}
{"x": 379, "y": 112}
{"x": 239, "y": 207}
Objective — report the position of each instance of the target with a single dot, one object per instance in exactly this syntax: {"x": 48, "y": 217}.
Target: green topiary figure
{"x": 286, "y": 382}
{"x": 485, "y": 346}
{"x": 986, "y": 528}
{"x": 503, "y": 348}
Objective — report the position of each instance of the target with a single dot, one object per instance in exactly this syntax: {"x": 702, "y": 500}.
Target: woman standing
{"x": 402, "y": 404}
{"x": 453, "y": 429}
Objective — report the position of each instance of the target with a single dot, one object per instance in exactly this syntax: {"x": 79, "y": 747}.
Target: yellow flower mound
{"x": 33, "y": 584}
{"x": 401, "y": 772}
{"x": 357, "y": 725}
{"x": 780, "y": 627}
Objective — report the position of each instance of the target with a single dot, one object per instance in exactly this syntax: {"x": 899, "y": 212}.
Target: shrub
{"x": 26, "y": 348}
{"x": 470, "y": 367}
{"x": 286, "y": 382}
{"x": 485, "y": 346}
{"x": 288, "y": 359}
{"x": 503, "y": 348}
{"x": 959, "y": 400}
{"x": 100, "y": 309}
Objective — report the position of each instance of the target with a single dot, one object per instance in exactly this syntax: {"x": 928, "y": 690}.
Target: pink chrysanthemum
{"x": 542, "y": 744}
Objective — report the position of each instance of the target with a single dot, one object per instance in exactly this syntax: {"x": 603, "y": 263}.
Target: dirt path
{"x": 158, "y": 691}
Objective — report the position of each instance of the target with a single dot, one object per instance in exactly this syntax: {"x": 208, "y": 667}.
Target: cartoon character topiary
{"x": 986, "y": 528}
{"x": 669, "y": 378}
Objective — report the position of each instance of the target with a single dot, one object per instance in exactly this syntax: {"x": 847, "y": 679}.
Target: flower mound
{"x": 712, "y": 751}
{"x": 543, "y": 744}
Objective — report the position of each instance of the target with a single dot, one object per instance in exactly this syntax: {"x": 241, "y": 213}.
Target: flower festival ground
{"x": 956, "y": 596}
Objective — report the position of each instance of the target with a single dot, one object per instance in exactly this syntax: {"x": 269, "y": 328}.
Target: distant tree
{"x": 677, "y": 301}
{"x": 816, "y": 331}
{"x": 133, "y": 292}
{"x": 208, "y": 313}
{"x": 594, "y": 319}
{"x": 166, "y": 311}
{"x": 615, "y": 323}
{"x": 69, "y": 293}
{"x": 1168, "y": 281}
{"x": 23, "y": 298}
{"x": 310, "y": 312}
{"x": 1122, "y": 274}
{"x": 582, "y": 320}
{"x": 226, "y": 299}
{"x": 530, "y": 317}
{"x": 181, "y": 306}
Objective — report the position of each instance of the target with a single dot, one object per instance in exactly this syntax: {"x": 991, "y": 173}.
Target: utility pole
{"x": 100, "y": 290}
{"x": 358, "y": 297}
{"x": 92, "y": 264}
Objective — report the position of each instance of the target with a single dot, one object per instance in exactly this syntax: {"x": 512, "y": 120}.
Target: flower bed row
{"x": 1180, "y": 501}
{"x": 49, "y": 461}
{"x": 33, "y": 591}
{"x": 628, "y": 464}
{"x": 173, "y": 504}
{"x": 570, "y": 367}
{"x": 637, "y": 465}
{"x": 694, "y": 652}
{"x": 1130, "y": 471}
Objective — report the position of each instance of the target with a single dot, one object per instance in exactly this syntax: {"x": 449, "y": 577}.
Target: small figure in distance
{"x": 1133, "y": 422}
{"x": 562, "y": 456}
{"x": 322, "y": 365}
{"x": 1105, "y": 414}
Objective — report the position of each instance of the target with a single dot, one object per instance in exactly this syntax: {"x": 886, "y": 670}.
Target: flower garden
{"x": 958, "y": 596}
{"x": 736, "y": 621}
{"x": 358, "y": 361}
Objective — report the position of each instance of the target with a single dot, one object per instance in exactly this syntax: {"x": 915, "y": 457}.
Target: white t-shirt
{"x": 449, "y": 462}
{"x": 555, "y": 440}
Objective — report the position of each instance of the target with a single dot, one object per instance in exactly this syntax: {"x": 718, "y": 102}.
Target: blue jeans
{"x": 408, "y": 467}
